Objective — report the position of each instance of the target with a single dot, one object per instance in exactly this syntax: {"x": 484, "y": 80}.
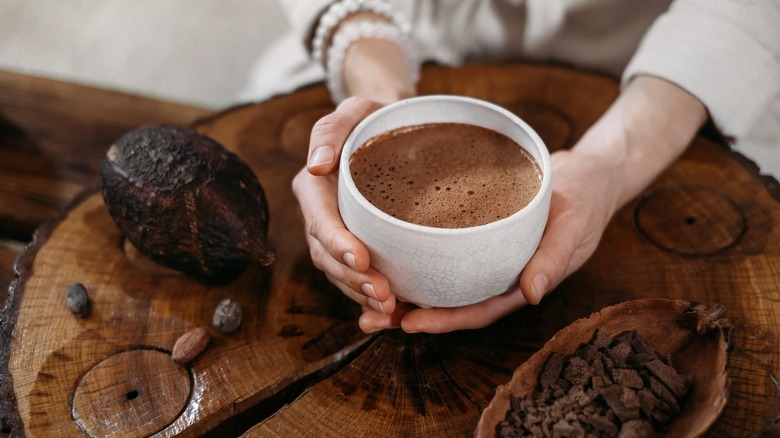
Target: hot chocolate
{"x": 445, "y": 175}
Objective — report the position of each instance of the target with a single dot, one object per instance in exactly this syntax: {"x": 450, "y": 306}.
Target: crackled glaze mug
{"x": 446, "y": 267}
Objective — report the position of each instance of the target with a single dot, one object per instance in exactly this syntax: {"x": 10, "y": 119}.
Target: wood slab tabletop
{"x": 299, "y": 365}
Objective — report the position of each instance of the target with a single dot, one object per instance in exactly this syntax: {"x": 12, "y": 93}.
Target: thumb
{"x": 552, "y": 261}
{"x": 547, "y": 268}
{"x": 330, "y": 132}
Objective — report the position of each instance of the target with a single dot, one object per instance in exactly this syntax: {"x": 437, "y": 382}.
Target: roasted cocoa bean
{"x": 78, "y": 300}
{"x": 190, "y": 345}
{"x": 227, "y": 316}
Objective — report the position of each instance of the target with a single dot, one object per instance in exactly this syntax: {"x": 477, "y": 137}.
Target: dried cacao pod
{"x": 186, "y": 202}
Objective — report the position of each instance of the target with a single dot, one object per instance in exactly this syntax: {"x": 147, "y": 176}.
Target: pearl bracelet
{"x": 351, "y": 32}
{"x": 339, "y": 10}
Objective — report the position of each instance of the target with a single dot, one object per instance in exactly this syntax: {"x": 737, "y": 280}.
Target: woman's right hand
{"x": 375, "y": 69}
{"x": 334, "y": 250}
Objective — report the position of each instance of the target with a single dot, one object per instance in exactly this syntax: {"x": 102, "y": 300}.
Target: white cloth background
{"x": 212, "y": 53}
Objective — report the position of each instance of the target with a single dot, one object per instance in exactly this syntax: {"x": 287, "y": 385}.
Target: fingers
{"x": 330, "y": 133}
{"x": 371, "y": 321}
{"x": 317, "y": 196}
{"x": 334, "y": 250}
{"x": 474, "y": 316}
{"x": 568, "y": 240}
{"x": 363, "y": 297}
{"x": 443, "y": 320}
{"x": 361, "y": 286}
{"x": 551, "y": 259}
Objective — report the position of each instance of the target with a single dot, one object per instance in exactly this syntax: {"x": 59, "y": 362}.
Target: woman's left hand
{"x": 580, "y": 208}
{"x": 646, "y": 129}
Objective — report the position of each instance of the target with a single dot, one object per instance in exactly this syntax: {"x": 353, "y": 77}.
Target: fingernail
{"x": 408, "y": 329}
{"x": 368, "y": 289}
{"x": 376, "y": 305}
{"x": 539, "y": 287}
{"x": 349, "y": 259}
{"x": 321, "y": 156}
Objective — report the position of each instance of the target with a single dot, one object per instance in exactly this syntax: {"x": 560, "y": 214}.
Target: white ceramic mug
{"x": 445, "y": 267}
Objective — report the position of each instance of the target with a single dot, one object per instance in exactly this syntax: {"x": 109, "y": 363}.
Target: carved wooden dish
{"x": 695, "y": 340}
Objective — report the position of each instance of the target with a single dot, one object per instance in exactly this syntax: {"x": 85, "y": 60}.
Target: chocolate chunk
{"x": 636, "y": 359}
{"x": 565, "y": 429}
{"x": 623, "y": 401}
{"x": 664, "y": 394}
{"x": 552, "y": 370}
{"x": 598, "y": 368}
{"x": 647, "y": 401}
{"x": 516, "y": 402}
{"x": 669, "y": 376}
{"x": 598, "y": 382}
{"x": 608, "y": 362}
{"x": 626, "y": 337}
{"x": 636, "y": 429}
{"x": 600, "y": 339}
{"x": 562, "y": 384}
{"x": 577, "y": 372}
{"x": 602, "y": 424}
{"x": 588, "y": 353}
{"x": 543, "y": 397}
{"x": 532, "y": 419}
{"x": 639, "y": 345}
{"x": 619, "y": 353}
{"x": 580, "y": 397}
{"x": 627, "y": 377}
{"x": 660, "y": 417}
{"x": 586, "y": 394}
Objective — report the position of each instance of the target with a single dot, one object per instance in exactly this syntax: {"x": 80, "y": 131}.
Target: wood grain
{"x": 142, "y": 387}
{"x": 53, "y": 136}
{"x": 298, "y": 366}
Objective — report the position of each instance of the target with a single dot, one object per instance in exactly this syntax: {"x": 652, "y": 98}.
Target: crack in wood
{"x": 240, "y": 422}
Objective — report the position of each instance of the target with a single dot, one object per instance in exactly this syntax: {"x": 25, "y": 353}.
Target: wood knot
{"x": 689, "y": 220}
{"x": 142, "y": 387}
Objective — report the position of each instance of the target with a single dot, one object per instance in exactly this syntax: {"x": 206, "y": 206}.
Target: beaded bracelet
{"x": 339, "y": 10}
{"x": 351, "y": 32}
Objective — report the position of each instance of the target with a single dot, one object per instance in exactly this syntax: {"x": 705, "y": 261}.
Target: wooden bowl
{"x": 695, "y": 338}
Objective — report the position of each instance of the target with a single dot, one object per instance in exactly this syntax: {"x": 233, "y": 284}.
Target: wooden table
{"x": 298, "y": 366}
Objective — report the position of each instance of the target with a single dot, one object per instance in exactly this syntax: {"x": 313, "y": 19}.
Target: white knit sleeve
{"x": 724, "y": 52}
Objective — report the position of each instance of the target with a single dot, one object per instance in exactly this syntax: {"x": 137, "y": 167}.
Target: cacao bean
{"x": 227, "y": 316}
{"x": 190, "y": 345}
{"x": 78, "y": 300}
{"x": 186, "y": 202}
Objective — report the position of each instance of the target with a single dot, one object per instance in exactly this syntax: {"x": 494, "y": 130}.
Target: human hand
{"x": 580, "y": 208}
{"x": 640, "y": 135}
{"x": 334, "y": 250}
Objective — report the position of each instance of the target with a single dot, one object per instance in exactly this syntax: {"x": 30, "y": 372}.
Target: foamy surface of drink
{"x": 445, "y": 175}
